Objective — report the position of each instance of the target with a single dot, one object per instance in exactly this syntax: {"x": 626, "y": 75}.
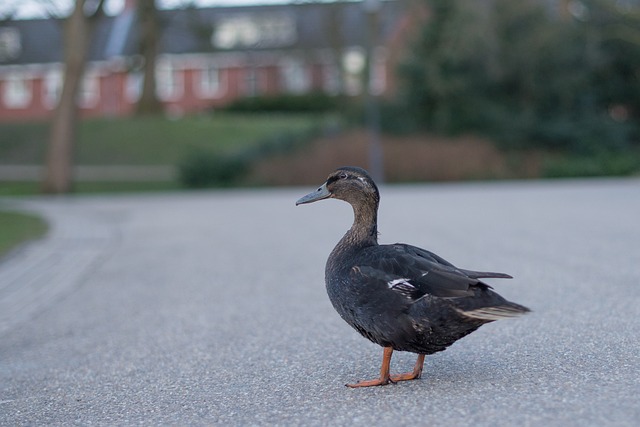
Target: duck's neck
{"x": 364, "y": 231}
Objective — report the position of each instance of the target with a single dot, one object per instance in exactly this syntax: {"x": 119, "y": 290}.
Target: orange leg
{"x": 385, "y": 378}
{"x": 384, "y": 372}
{"x": 417, "y": 371}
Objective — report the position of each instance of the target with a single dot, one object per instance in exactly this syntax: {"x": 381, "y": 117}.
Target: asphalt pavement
{"x": 209, "y": 308}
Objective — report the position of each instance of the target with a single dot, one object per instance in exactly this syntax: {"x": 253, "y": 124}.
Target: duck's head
{"x": 349, "y": 183}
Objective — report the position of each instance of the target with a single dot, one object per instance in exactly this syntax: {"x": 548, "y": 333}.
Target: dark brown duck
{"x": 399, "y": 296}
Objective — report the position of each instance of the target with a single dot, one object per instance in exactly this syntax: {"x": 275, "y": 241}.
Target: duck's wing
{"x": 415, "y": 272}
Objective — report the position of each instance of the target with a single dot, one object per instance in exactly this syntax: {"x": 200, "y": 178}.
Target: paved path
{"x": 209, "y": 308}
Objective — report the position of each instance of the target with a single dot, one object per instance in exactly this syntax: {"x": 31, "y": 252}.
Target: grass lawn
{"x": 146, "y": 141}
{"x": 149, "y": 140}
{"x": 21, "y": 188}
{"x": 186, "y": 142}
{"x": 18, "y": 228}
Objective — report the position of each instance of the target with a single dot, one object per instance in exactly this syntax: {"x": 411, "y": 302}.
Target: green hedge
{"x": 201, "y": 168}
{"x": 315, "y": 102}
{"x": 602, "y": 164}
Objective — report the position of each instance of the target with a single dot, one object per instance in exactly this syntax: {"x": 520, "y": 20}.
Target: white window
{"x": 52, "y": 88}
{"x": 378, "y": 79}
{"x": 295, "y": 76}
{"x": 253, "y": 30}
{"x": 10, "y": 44}
{"x": 89, "y": 90}
{"x": 251, "y": 87}
{"x": 353, "y": 62}
{"x": 277, "y": 30}
{"x": 235, "y": 32}
{"x": 208, "y": 85}
{"x": 133, "y": 86}
{"x": 169, "y": 83}
{"x": 331, "y": 78}
{"x": 18, "y": 90}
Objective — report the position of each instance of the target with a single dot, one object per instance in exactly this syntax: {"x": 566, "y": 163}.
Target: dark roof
{"x": 190, "y": 30}
{"x": 41, "y": 40}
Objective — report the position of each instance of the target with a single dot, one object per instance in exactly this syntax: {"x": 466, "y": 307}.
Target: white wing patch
{"x": 405, "y": 288}
{"x": 403, "y": 281}
{"x": 395, "y": 282}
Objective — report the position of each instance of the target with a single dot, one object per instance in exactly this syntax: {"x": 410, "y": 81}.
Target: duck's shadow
{"x": 445, "y": 371}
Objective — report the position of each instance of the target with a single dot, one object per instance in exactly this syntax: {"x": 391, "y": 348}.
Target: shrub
{"x": 602, "y": 164}
{"x": 202, "y": 168}
{"x": 314, "y": 102}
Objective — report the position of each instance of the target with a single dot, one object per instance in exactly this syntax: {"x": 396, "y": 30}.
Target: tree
{"x": 447, "y": 66}
{"x": 525, "y": 73}
{"x": 618, "y": 35}
{"x": 78, "y": 28}
{"x": 149, "y": 42}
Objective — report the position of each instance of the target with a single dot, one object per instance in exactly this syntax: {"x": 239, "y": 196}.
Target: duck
{"x": 401, "y": 297}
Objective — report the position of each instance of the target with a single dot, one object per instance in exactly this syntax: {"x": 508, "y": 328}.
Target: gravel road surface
{"x": 209, "y": 308}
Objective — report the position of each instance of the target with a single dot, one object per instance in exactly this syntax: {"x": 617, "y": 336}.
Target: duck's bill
{"x": 319, "y": 194}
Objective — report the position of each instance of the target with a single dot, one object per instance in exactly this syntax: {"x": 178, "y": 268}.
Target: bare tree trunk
{"x": 150, "y": 28}
{"x": 59, "y": 162}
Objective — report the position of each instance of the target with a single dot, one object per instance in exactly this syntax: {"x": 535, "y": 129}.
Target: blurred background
{"x": 140, "y": 95}
{"x": 195, "y": 307}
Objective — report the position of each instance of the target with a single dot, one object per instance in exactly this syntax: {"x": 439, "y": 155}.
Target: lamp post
{"x": 376, "y": 160}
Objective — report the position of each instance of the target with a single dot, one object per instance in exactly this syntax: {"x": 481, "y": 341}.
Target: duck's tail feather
{"x": 495, "y": 312}
{"x": 485, "y": 274}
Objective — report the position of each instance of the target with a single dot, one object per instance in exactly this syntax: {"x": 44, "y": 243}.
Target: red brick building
{"x": 208, "y": 57}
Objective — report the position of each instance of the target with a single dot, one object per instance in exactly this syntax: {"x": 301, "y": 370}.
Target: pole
{"x": 376, "y": 160}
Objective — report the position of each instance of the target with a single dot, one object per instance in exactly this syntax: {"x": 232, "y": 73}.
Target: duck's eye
{"x": 343, "y": 176}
